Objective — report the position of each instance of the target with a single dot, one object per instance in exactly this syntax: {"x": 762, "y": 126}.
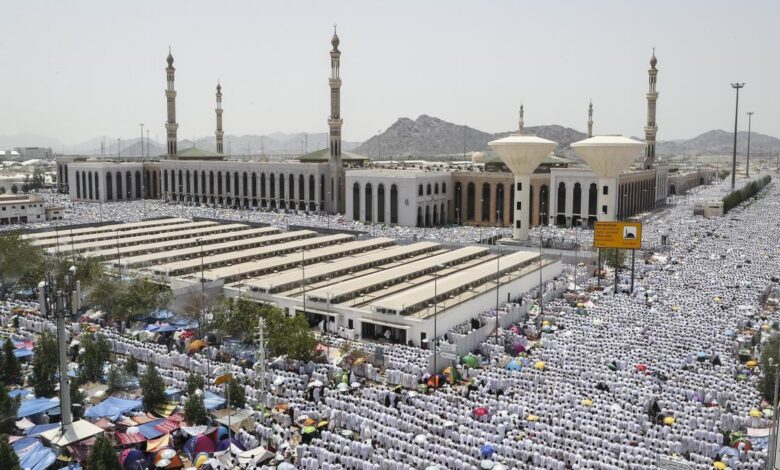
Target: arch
{"x": 427, "y": 216}
{"x": 211, "y": 183}
{"x": 301, "y": 189}
{"x": 78, "y": 185}
{"x": 356, "y": 201}
{"x": 227, "y": 182}
{"x": 109, "y": 186}
{"x": 577, "y": 199}
{"x": 219, "y": 184}
{"x": 272, "y": 189}
{"x": 119, "y": 193}
{"x": 458, "y": 202}
{"x": 291, "y": 189}
{"x": 322, "y": 191}
{"x": 500, "y": 204}
{"x": 262, "y": 185}
{"x": 97, "y": 186}
{"x": 435, "y": 220}
{"x": 188, "y": 182}
{"x": 442, "y": 215}
{"x": 138, "y": 184}
{"x": 280, "y": 196}
{"x": 444, "y": 188}
{"x": 236, "y": 187}
{"x": 254, "y": 184}
{"x": 312, "y": 191}
{"x": 470, "y": 196}
{"x": 428, "y": 190}
{"x": 419, "y": 216}
{"x": 560, "y": 219}
{"x": 180, "y": 187}
{"x": 485, "y": 199}
{"x": 436, "y": 188}
{"x": 380, "y": 203}
{"x": 393, "y": 204}
{"x": 89, "y": 184}
{"x": 369, "y": 203}
{"x": 420, "y": 190}
{"x": 544, "y": 207}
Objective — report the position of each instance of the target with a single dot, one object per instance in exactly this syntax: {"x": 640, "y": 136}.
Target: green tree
{"x": 77, "y": 398}
{"x": 107, "y": 294}
{"x": 238, "y": 318}
{"x": 45, "y": 364}
{"x": 143, "y": 298}
{"x": 194, "y": 382}
{"x": 103, "y": 455}
{"x": 769, "y": 354}
{"x": 237, "y": 395}
{"x": 116, "y": 378}
{"x": 14, "y": 189}
{"x": 286, "y": 335}
{"x": 22, "y": 265}
{"x": 153, "y": 388}
{"x": 194, "y": 410}
{"x": 8, "y": 458}
{"x": 11, "y": 369}
{"x": 96, "y": 351}
{"x": 131, "y": 366}
{"x": 8, "y": 407}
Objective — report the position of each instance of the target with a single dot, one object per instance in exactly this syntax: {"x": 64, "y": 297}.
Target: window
{"x": 604, "y": 209}
{"x": 605, "y": 190}
{"x": 420, "y": 190}
{"x": 517, "y": 224}
{"x": 519, "y": 206}
{"x": 444, "y": 188}
{"x": 519, "y": 186}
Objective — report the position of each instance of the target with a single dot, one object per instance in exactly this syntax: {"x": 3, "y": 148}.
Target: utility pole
{"x": 260, "y": 361}
{"x": 737, "y": 87}
{"x": 750, "y": 122}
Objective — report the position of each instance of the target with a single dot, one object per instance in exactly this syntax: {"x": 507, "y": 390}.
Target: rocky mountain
{"x": 719, "y": 142}
{"x": 428, "y": 136}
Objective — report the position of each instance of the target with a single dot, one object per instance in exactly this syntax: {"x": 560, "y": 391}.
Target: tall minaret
{"x": 651, "y": 129}
{"x": 590, "y": 119}
{"x": 170, "y": 93}
{"x": 219, "y": 132}
{"x": 335, "y": 200}
{"x": 520, "y": 122}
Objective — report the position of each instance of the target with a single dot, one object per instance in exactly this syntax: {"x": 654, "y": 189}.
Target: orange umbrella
{"x": 196, "y": 346}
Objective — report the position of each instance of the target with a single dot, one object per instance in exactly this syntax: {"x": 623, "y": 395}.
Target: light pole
{"x": 750, "y": 122}
{"x": 736, "y": 86}
{"x": 147, "y": 142}
{"x": 142, "y": 140}
{"x": 435, "y": 316}
{"x": 202, "y": 288}
{"x": 577, "y": 225}
{"x": 542, "y": 216}
{"x": 498, "y": 285}
{"x": 379, "y": 143}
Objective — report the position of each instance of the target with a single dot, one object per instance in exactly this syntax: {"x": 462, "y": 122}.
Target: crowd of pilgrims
{"x": 615, "y": 384}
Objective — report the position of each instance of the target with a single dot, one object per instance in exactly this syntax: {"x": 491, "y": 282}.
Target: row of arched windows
{"x": 119, "y": 185}
{"x": 431, "y": 217}
{"x": 431, "y": 189}
{"x": 367, "y": 194}
{"x": 243, "y": 189}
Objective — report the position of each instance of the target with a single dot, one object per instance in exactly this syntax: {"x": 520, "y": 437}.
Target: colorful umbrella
{"x": 452, "y": 374}
{"x": 487, "y": 451}
{"x": 480, "y": 411}
{"x": 471, "y": 360}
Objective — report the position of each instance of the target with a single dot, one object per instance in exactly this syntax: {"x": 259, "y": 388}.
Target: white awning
{"x": 379, "y": 322}
{"x": 75, "y": 432}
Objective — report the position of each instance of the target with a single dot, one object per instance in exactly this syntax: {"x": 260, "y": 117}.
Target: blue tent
{"x": 36, "y": 406}
{"x": 21, "y": 353}
{"x": 33, "y": 454}
{"x": 19, "y": 392}
{"x": 211, "y": 400}
{"x": 172, "y": 394}
{"x": 148, "y": 430}
{"x": 112, "y": 408}
{"x": 39, "y": 429}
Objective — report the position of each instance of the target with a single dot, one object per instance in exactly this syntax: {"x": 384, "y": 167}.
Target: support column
{"x": 493, "y": 217}
{"x": 521, "y": 188}
{"x": 609, "y": 200}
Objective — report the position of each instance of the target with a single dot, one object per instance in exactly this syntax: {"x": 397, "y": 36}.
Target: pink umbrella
{"x": 519, "y": 348}
{"x": 481, "y": 411}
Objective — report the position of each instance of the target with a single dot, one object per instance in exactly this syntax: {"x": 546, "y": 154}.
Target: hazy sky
{"x": 80, "y": 69}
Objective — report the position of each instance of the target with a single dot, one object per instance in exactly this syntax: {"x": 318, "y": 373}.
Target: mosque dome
{"x": 653, "y": 60}
{"x": 170, "y": 57}
{"x": 334, "y": 41}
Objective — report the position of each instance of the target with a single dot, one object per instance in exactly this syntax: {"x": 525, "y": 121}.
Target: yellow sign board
{"x": 627, "y": 235}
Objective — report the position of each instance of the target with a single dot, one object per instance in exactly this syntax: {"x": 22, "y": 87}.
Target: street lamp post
{"x": 202, "y": 287}
{"x": 750, "y": 122}
{"x": 737, "y": 87}
{"x": 142, "y": 140}
{"x": 542, "y": 216}
{"x": 498, "y": 286}
{"x": 435, "y": 316}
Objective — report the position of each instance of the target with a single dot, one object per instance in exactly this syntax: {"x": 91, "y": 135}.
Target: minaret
{"x": 590, "y": 119}
{"x": 651, "y": 129}
{"x": 335, "y": 200}
{"x": 170, "y": 93}
{"x": 219, "y": 132}
{"x": 520, "y": 122}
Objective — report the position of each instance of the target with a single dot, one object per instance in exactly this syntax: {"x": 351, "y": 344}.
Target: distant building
{"x": 27, "y": 153}
{"x": 22, "y": 209}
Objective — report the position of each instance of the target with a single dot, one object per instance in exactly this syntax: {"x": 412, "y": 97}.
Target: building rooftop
{"x": 322, "y": 155}
{"x": 194, "y": 153}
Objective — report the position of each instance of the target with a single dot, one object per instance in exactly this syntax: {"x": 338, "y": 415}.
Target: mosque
{"x": 419, "y": 193}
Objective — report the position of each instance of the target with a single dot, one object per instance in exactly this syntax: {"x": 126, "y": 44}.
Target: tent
{"x": 197, "y": 444}
{"x": 19, "y": 392}
{"x": 112, "y": 408}
{"x": 40, "y": 429}
{"x": 37, "y": 406}
{"x": 256, "y": 456}
{"x": 211, "y": 400}
{"x": 33, "y": 454}
{"x": 196, "y": 346}
{"x": 74, "y": 432}
{"x": 471, "y": 360}
{"x": 452, "y": 375}
{"x": 129, "y": 457}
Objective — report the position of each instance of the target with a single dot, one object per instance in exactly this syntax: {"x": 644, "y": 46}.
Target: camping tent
{"x": 36, "y": 406}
